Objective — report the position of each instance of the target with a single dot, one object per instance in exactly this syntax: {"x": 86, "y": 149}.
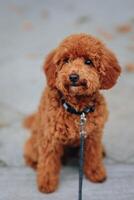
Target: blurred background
{"x": 29, "y": 29}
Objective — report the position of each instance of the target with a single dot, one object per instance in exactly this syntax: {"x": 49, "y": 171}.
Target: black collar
{"x": 72, "y": 110}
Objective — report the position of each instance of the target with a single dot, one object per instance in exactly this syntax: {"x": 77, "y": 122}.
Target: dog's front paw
{"x": 97, "y": 175}
{"x": 47, "y": 184}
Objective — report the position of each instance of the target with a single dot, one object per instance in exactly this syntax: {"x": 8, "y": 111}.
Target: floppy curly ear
{"x": 109, "y": 69}
{"x": 50, "y": 68}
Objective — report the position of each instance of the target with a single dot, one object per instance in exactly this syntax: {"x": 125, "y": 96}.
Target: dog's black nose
{"x": 74, "y": 77}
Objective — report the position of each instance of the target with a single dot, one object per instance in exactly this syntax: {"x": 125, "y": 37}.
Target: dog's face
{"x": 81, "y": 65}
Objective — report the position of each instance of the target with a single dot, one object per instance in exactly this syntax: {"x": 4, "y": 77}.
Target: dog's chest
{"x": 68, "y": 128}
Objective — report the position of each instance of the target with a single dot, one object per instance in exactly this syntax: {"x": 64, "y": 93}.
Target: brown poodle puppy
{"x": 76, "y": 71}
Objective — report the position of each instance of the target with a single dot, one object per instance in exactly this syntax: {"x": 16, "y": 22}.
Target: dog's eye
{"x": 66, "y": 60}
{"x": 88, "y": 62}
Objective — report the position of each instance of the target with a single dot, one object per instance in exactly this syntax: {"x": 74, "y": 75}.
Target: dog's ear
{"x": 50, "y": 68}
{"x": 109, "y": 69}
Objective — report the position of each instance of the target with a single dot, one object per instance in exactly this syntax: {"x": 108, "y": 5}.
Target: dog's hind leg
{"x": 29, "y": 120}
{"x": 30, "y": 152}
{"x": 104, "y": 153}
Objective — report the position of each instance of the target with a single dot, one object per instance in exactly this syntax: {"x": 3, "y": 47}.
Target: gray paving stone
{"x": 12, "y": 140}
{"x": 8, "y": 115}
{"x": 20, "y": 184}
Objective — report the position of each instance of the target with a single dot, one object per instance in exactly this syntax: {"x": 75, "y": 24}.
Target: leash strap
{"x": 81, "y": 166}
{"x": 81, "y": 159}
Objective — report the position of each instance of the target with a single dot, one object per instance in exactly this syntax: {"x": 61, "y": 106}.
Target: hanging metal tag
{"x": 82, "y": 124}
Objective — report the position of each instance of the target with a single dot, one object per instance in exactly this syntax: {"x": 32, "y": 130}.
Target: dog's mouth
{"x": 79, "y": 84}
{"x": 76, "y": 87}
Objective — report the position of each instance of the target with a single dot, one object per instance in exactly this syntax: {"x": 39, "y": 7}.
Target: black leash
{"x": 82, "y": 114}
{"x": 81, "y": 156}
{"x": 81, "y": 166}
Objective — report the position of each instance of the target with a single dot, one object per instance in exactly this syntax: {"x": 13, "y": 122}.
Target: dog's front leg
{"x": 48, "y": 165}
{"x": 93, "y": 165}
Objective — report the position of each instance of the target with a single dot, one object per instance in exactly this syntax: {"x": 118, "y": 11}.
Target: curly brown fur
{"x": 53, "y": 128}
